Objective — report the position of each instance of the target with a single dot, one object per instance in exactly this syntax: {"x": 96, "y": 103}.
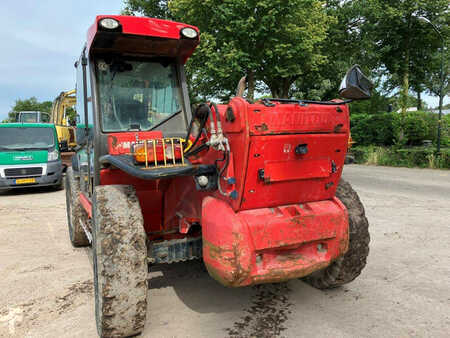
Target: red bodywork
{"x": 285, "y": 221}
{"x": 145, "y": 36}
{"x": 284, "y": 226}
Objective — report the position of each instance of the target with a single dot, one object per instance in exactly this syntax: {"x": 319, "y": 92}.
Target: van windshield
{"x": 138, "y": 95}
{"x": 26, "y": 138}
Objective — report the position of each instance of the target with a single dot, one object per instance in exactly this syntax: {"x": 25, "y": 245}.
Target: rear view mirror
{"x": 355, "y": 85}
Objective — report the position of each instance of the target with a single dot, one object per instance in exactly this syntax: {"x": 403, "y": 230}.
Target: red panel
{"x": 149, "y": 193}
{"x": 296, "y": 170}
{"x": 293, "y": 184}
{"x": 182, "y": 202}
{"x": 267, "y": 245}
{"x": 86, "y": 204}
{"x": 294, "y": 118}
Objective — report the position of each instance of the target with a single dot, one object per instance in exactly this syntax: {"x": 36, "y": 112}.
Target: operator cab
{"x": 131, "y": 87}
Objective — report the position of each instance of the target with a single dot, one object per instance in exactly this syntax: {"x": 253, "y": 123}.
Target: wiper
{"x": 12, "y": 149}
{"x": 23, "y": 149}
{"x": 165, "y": 120}
{"x": 38, "y": 148}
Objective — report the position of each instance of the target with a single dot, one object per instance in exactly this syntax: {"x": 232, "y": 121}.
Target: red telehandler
{"x": 253, "y": 189}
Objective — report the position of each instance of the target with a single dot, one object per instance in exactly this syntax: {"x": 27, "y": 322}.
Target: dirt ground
{"x": 46, "y": 285}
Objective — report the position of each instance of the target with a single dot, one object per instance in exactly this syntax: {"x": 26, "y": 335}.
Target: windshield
{"x": 137, "y": 95}
{"x": 28, "y": 117}
{"x": 26, "y": 138}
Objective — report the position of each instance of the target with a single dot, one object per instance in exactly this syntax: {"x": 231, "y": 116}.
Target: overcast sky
{"x": 41, "y": 39}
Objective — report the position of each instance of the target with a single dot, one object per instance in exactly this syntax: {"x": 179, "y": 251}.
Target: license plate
{"x": 25, "y": 180}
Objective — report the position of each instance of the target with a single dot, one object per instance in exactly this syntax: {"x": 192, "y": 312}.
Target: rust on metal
{"x": 281, "y": 275}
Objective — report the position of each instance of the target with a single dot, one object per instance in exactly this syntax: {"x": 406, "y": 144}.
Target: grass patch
{"x": 422, "y": 157}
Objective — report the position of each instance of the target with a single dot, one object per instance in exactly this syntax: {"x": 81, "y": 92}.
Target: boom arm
{"x": 63, "y": 101}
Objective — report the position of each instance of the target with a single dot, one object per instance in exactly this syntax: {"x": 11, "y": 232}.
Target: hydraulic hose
{"x": 202, "y": 126}
{"x": 226, "y": 158}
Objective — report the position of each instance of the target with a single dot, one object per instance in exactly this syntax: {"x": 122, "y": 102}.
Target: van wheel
{"x": 75, "y": 211}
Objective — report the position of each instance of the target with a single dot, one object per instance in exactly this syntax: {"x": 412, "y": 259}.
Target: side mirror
{"x": 355, "y": 85}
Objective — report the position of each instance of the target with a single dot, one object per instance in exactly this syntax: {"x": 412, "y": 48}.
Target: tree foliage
{"x": 152, "y": 8}
{"x": 31, "y": 104}
{"x": 405, "y": 45}
{"x": 270, "y": 41}
{"x": 302, "y": 48}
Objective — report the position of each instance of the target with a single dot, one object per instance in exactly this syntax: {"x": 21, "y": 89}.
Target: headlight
{"x": 109, "y": 23}
{"x": 53, "y": 155}
{"x": 189, "y": 33}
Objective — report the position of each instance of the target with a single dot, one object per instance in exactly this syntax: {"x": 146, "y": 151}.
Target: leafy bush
{"x": 373, "y": 129}
{"x": 415, "y": 127}
{"x": 385, "y": 129}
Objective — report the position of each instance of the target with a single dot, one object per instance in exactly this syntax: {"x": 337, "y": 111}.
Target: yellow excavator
{"x": 65, "y": 128}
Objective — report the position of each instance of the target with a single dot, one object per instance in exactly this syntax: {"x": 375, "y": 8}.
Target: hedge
{"x": 386, "y": 129}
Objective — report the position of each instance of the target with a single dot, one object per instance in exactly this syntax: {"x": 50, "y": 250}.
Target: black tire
{"x": 346, "y": 268}
{"x": 120, "y": 262}
{"x": 75, "y": 211}
{"x": 59, "y": 186}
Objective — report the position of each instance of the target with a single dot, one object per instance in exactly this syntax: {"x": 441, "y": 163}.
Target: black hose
{"x": 226, "y": 158}
{"x": 196, "y": 150}
{"x": 202, "y": 125}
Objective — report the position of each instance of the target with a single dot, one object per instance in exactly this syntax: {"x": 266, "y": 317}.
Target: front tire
{"x": 120, "y": 261}
{"x": 346, "y": 268}
{"x": 75, "y": 211}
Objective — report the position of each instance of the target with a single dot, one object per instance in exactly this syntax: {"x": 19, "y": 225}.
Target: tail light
{"x": 156, "y": 153}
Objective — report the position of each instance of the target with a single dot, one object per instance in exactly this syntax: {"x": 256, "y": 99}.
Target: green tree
{"x": 346, "y": 44}
{"x": 275, "y": 42}
{"x": 31, "y": 104}
{"x": 152, "y": 8}
{"x": 404, "y": 44}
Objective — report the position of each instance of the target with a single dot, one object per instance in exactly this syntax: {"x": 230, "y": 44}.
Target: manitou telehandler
{"x": 253, "y": 189}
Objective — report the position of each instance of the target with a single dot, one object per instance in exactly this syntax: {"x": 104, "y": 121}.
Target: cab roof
{"x": 143, "y": 36}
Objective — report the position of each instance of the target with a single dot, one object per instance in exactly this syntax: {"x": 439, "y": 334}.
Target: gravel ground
{"x": 46, "y": 288}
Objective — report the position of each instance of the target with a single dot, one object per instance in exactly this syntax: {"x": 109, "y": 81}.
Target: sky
{"x": 40, "y": 42}
{"x": 41, "y": 39}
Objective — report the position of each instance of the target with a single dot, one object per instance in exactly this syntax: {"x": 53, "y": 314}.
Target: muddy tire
{"x": 347, "y": 268}
{"x": 120, "y": 261}
{"x": 75, "y": 211}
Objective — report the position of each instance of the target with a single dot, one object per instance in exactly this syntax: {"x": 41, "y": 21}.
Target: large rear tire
{"x": 346, "y": 268}
{"x": 75, "y": 212}
{"x": 120, "y": 261}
